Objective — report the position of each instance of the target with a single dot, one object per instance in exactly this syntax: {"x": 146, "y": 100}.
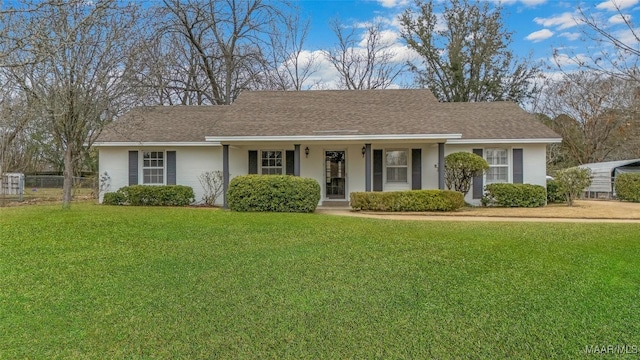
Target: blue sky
{"x": 539, "y": 27}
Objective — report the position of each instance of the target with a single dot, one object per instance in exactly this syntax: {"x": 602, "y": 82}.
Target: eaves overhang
{"x": 153, "y": 143}
{"x": 505, "y": 141}
{"x": 321, "y": 138}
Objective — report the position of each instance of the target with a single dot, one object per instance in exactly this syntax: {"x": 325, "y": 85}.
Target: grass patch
{"x": 119, "y": 282}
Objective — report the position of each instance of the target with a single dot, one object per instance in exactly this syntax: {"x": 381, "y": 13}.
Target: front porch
{"x": 342, "y": 167}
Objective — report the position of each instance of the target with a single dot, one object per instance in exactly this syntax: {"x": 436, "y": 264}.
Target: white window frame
{"x": 406, "y": 166}
{"x": 282, "y": 166}
{"x": 163, "y": 167}
{"x": 494, "y": 166}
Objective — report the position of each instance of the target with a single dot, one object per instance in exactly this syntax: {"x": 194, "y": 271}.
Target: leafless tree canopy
{"x": 372, "y": 66}
{"x": 288, "y": 66}
{"x": 221, "y": 45}
{"x": 72, "y": 65}
{"x": 597, "y": 116}
{"x": 617, "y": 51}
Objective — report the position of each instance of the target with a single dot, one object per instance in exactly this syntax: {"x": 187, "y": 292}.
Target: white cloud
{"x": 619, "y": 19}
{"x": 614, "y": 5}
{"x": 387, "y": 38}
{"x": 539, "y": 35}
{"x": 532, "y": 3}
{"x": 571, "y": 36}
{"x": 627, "y": 36}
{"x": 393, "y": 3}
{"x": 563, "y": 21}
{"x": 327, "y": 77}
{"x": 566, "y": 60}
{"x": 528, "y": 3}
{"x": 389, "y": 21}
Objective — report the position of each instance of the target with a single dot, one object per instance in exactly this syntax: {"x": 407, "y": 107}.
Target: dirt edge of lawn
{"x": 582, "y": 211}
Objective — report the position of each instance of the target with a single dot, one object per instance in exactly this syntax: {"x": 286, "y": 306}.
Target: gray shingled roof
{"x": 310, "y": 113}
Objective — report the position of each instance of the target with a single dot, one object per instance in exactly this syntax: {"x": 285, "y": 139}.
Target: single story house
{"x": 603, "y": 176}
{"x": 370, "y": 140}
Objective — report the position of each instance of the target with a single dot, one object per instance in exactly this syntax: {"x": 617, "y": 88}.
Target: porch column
{"x": 225, "y": 174}
{"x": 441, "y": 166}
{"x": 367, "y": 167}
{"x": 296, "y": 160}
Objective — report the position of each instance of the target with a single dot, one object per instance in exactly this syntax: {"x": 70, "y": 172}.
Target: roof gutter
{"x": 152, "y": 143}
{"x": 505, "y": 141}
{"x": 319, "y": 138}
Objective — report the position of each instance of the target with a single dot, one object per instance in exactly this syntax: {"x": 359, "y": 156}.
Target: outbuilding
{"x": 604, "y": 175}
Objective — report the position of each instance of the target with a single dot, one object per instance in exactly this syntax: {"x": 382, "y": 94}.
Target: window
{"x": 153, "y": 167}
{"x": 271, "y": 162}
{"x": 397, "y": 166}
{"x": 498, "y": 166}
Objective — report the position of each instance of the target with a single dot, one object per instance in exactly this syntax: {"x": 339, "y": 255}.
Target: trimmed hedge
{"x": 554, "y": 195}
{"x": 275, "y": 193}
{"x": 412, "y": 200}
{"x": 514, "y": 195}
{"x": 114, "y": 198}
{"x": 151, "y": 195}
{"x": 628, "y": 187}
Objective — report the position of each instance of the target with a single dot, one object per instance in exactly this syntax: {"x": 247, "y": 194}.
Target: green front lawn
{"x": 122, "y": 282}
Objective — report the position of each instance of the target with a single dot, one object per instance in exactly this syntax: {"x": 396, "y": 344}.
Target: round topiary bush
{"x": 627, "y": 187}
{"x": 275, "y": 193}
{"x": 460, "y": 168}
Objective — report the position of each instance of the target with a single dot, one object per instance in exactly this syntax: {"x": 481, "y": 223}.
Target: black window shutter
{"x": 289, "y": 162}
{"x": 416, "y": 169}
{"x": 377, "y": 170}
{"x": 518, "y": 173}
{"x": 478, "y": 186}
{"x": 133, "y": 167}
{"x": 171, "y": 167}
{"x": 253, "y": 161}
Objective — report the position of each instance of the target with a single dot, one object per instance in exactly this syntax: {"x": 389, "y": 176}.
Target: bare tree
{"x": 80, "y": 56}
{"x": 596, "y": 115}
{"x": 289, "y": 66}
{"x": 465, "y": 52}
{"x": 171, "y": 74}
{"x": 14, "y": 119}
{"x": 616, "y": 52}
{"x": 370, "y": 66}
{"x": 226, "y": 38}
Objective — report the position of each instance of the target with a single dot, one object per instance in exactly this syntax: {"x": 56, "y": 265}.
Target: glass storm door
{"x": 335, "y": 176}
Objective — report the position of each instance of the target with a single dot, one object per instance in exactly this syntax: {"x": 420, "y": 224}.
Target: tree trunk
{"x": 67, "y": 185}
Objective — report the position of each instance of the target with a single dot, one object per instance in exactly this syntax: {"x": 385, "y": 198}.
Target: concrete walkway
{"x": 456, "y": 217}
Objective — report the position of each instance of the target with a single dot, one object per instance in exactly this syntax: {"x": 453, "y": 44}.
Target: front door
{"x": 335, "y": 174}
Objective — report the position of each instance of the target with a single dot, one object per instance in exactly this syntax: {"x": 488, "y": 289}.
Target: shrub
{"x": 460, "y": 168}
{"x": 114, "y": 198}
{"x": 572, "y": 182}
{"x": 514, "y": 195}
{"x": 277, "y": 193}
{"x": 553, "y": 192}
{"x": 628, "y": 187}
{"x": 211, "y": 182}
{"x": 413, "y": 200}
{"x": 151, "y": 195}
